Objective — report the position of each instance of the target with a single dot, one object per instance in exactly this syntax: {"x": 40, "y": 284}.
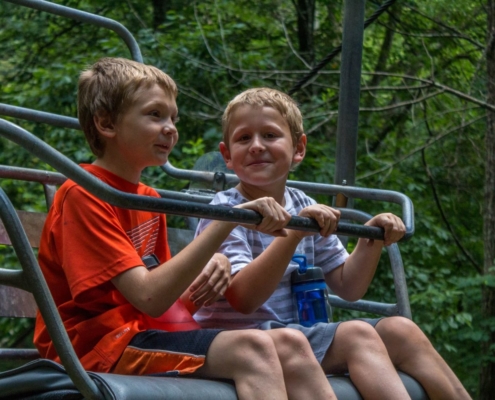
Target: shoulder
{"x": 72, "y": 194}
{"x": 146, "y": 190}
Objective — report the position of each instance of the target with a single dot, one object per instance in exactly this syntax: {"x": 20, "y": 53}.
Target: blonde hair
{"x": 266, "y": 97}
{"x": 109, "y": 86}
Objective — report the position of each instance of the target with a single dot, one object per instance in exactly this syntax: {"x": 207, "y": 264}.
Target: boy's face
{"x": 145, "y": 134}
{"x": 261, "y": 150}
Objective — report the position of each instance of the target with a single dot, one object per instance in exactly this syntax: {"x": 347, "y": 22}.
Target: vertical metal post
{"x": 350, "y": 82}
{"x": 349, "y": 91}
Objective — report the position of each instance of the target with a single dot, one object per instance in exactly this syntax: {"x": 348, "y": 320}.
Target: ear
{"x": 225, "y": 154}
{"x": 300, "y": 149}
{"x": 104, "y": 124}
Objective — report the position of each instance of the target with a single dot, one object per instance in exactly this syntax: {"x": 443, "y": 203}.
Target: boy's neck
{"x": 121, "y": 170}
{"x": 256, "y": 192}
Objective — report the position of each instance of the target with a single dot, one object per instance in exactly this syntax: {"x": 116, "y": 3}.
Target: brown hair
{"x": 266, "y": 97}
{"x": 108, "y": 86}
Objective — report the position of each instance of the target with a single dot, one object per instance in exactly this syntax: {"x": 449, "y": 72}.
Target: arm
{"x": 352, "y": 279}
{"x": 257, "y": 281}
{"x": 153, "y": 292}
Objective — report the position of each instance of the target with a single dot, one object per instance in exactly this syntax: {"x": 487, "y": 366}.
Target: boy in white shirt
{"x": 263, "y": 139}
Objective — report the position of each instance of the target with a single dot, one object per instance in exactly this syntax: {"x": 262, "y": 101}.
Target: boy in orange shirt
{"x": 123, "y": 317}
{"x": 263, "y": 139}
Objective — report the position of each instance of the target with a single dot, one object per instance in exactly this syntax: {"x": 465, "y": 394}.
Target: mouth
{"x": 164, "y": 147}
{"x": 258, "y": 163}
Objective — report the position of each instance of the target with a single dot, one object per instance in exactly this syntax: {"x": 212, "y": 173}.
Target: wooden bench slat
{"x": 33, "y": 224}
{"x": 16, "y": 303}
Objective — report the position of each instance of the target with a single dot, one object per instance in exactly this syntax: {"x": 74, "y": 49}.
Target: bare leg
{"x": 411, "y": 352}
{"x": 303, "y": 375}
{"x": 249, "y": 357}
{"x": 358, "y": 349}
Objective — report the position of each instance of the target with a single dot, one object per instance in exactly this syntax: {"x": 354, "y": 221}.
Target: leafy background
{"x": 416, "y": 135}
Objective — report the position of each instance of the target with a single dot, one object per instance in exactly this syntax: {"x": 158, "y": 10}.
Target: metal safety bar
{"x": 315, "y": 188}
{"x": 49, "y": 179}
{"x": 29, "y": 114}
{"x": 185, "y": 208}
{"x": 231, "y": 179}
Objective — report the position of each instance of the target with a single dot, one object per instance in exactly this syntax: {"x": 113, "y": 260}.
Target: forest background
{"x": 425, "y": 124}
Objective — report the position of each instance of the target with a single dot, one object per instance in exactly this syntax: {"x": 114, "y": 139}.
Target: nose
{"x": 257, "y": 145}
{"x": 169, "y": 128}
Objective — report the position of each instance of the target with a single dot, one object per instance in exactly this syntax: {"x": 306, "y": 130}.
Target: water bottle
{"x": 309, "y": 293}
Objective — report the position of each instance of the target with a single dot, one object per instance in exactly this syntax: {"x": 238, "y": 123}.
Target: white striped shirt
{"x": 243, "y": 245}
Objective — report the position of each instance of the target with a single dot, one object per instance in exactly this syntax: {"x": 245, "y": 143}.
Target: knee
{"x": 295, "y": 353}
{"x": 358, "y": 335}
{"x": 402, "y": 330}
{"x": 245, "y": 356}
{"x": 255, "y": 346}
{"x": 397, "y": 325}
{"x": 359, "y": 330}
{"x": 291, "y": 343}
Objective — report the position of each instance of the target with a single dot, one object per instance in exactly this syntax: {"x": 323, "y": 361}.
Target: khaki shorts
{"x": 320, "y": 335}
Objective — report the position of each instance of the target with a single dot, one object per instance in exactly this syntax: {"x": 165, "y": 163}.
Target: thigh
{"x": 167, "y": 353}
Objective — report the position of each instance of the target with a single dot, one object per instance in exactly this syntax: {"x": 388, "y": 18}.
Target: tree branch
{"x": 447, "y": 89}
{"x": 439, "y": 204}
{"x": 420, "y": 148}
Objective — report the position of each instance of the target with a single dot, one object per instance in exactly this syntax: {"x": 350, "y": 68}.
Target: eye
{"x": 155, "y": 113}
{"x": 270, "y": 135}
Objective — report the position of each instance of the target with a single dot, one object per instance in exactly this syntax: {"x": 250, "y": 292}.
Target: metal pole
{"x": 349, "y": 91}
{"x": 350, "y": 82}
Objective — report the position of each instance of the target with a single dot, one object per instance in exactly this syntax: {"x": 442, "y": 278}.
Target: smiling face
{"x": 144, "y": 135}
{"x": 261, "y": 150}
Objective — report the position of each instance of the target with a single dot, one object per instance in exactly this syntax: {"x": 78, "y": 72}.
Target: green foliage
{"x": 412, "y": 139}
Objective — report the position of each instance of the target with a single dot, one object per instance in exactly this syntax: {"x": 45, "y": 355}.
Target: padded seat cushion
{"x": 46, "y": 380}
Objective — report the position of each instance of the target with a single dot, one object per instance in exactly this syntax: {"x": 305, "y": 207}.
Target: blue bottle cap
{"x": 305, "y": 273}
{"x": 302, "y": 261}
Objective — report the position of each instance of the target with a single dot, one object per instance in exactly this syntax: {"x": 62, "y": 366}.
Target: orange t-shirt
{"x": 85, "y": 243}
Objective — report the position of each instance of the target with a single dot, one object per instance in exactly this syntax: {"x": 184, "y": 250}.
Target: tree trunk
{"x": 160, "y": 9}
{"x": 487, "y": 373}
{"x": 386, "y": 47}
{"x": 305, "y": 27}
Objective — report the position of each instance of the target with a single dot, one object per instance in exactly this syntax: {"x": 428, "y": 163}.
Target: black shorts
{"x": 166, "y": 353}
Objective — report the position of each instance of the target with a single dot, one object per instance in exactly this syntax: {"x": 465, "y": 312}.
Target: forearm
{"x": 352, "y": 280}
{"x": 257, "y": 281}
{"x": 153, "y": 292}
